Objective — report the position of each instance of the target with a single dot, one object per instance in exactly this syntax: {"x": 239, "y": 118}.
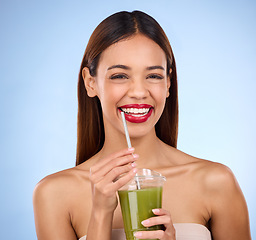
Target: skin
{"x": 82, "y": 200}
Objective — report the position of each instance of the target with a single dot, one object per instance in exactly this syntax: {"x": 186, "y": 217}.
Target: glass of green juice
{"x": 138, "y": 198}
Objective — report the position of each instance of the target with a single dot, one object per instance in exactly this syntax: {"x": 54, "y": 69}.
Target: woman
{"x": 129, "y": 66}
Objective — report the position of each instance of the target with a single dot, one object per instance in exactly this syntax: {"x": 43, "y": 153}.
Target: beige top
{"x": 184, "y": 231}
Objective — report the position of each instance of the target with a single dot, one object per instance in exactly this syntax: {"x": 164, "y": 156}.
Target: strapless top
{"x": 184, "y": 231}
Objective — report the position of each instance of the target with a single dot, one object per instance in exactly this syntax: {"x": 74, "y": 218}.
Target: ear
{"x": 89, "y": 82}
{"x": 168, "y": 83}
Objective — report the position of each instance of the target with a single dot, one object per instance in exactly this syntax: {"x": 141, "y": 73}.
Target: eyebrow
{"x": 155, "y": 67}
{"x": 119, "y": 66}
{"x": 128, "y": 68}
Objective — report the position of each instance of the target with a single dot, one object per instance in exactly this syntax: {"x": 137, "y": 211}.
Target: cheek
{"x": 110, "y": 95}
{"x": 160, "y": 92}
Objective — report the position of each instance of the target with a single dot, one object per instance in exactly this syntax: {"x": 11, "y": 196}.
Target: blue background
{"x": 41, "y": 47}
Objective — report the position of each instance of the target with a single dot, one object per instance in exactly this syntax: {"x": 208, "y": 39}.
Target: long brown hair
{"x": 121, "y": 25}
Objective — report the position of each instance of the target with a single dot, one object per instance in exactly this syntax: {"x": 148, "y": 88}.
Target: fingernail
{"x": 145, "y": 222}
{"x": 133, "y": 164}
{"x": 135, "y": 155}
{"x": 137, "y": 234}
{"x": 134, "y": 170}
{"x": 130, "y": 149}
{"x": 155, "y": 211}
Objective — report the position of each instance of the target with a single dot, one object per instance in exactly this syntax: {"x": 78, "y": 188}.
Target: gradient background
{"x": 42, "y": 44}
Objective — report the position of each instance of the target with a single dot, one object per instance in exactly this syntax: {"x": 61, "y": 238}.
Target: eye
{"x": 155, "y": 77}
{"x": 119, "y": 76}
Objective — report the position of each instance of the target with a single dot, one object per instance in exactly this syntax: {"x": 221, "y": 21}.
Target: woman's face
{"x": 131, "y": 77}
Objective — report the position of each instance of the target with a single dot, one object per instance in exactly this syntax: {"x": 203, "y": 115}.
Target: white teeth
{"x": 137, "y": 111}
{"x": 138, "y": 115}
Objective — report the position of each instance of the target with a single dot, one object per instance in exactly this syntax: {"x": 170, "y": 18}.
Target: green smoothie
{"x": 137, "y": 206}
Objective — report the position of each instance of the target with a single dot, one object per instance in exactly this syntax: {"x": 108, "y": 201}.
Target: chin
{"x": 139, "y": 132}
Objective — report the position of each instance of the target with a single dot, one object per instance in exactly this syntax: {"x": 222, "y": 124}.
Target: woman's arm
{"x": 53, "y": 199}
{"x": 229, "y": 214}
{"x": 103, "y": 177}
{"x": 52, "y": 219}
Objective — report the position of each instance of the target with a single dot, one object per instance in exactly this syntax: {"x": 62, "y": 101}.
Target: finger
{"x": 117, "y": 173}
{"x": 158, "y": 234}
{"x": 120, "y": 161}
{"x": 109, "y": 188}
{"x": 113, "y": 168}
{"x": 106, "y": 160}
{"x": 125, "y": 179}
{"x": 160, "y": 211}
{"x": 165, "y": 219}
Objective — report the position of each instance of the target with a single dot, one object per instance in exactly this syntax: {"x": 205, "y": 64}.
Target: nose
{"x": 138, "y": 90}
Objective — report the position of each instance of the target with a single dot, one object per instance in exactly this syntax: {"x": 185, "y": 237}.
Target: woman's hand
{"x": 103, "y": 177}
{"x": 163, "y": 217}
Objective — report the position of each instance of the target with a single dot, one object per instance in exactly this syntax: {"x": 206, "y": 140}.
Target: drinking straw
{"x": 129, "y": 143}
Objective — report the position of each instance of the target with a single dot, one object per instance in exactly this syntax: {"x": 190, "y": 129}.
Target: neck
{"x": 148, "y": 148}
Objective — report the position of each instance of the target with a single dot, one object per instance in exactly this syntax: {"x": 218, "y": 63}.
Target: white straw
{"x": 128, "y": 142}
{"x": 126, "y": 131}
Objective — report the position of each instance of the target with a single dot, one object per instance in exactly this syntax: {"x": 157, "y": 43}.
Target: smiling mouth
{"x": 136, "y": 112}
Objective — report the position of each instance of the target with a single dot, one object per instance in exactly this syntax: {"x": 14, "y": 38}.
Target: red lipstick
{"x": 137, "y": 113}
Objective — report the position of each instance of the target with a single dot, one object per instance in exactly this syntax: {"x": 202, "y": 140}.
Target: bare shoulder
{"x": 224, "y": 195}
{"x": 219, "y": 192}
{"x": 61, "y": 188}
{"x": 213, "y": 175}
{"x": 219, "y": 177}
{"x": 216, "y": 178}
{"x": 55, "y": 199}
{"x": 62, "y": 180}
